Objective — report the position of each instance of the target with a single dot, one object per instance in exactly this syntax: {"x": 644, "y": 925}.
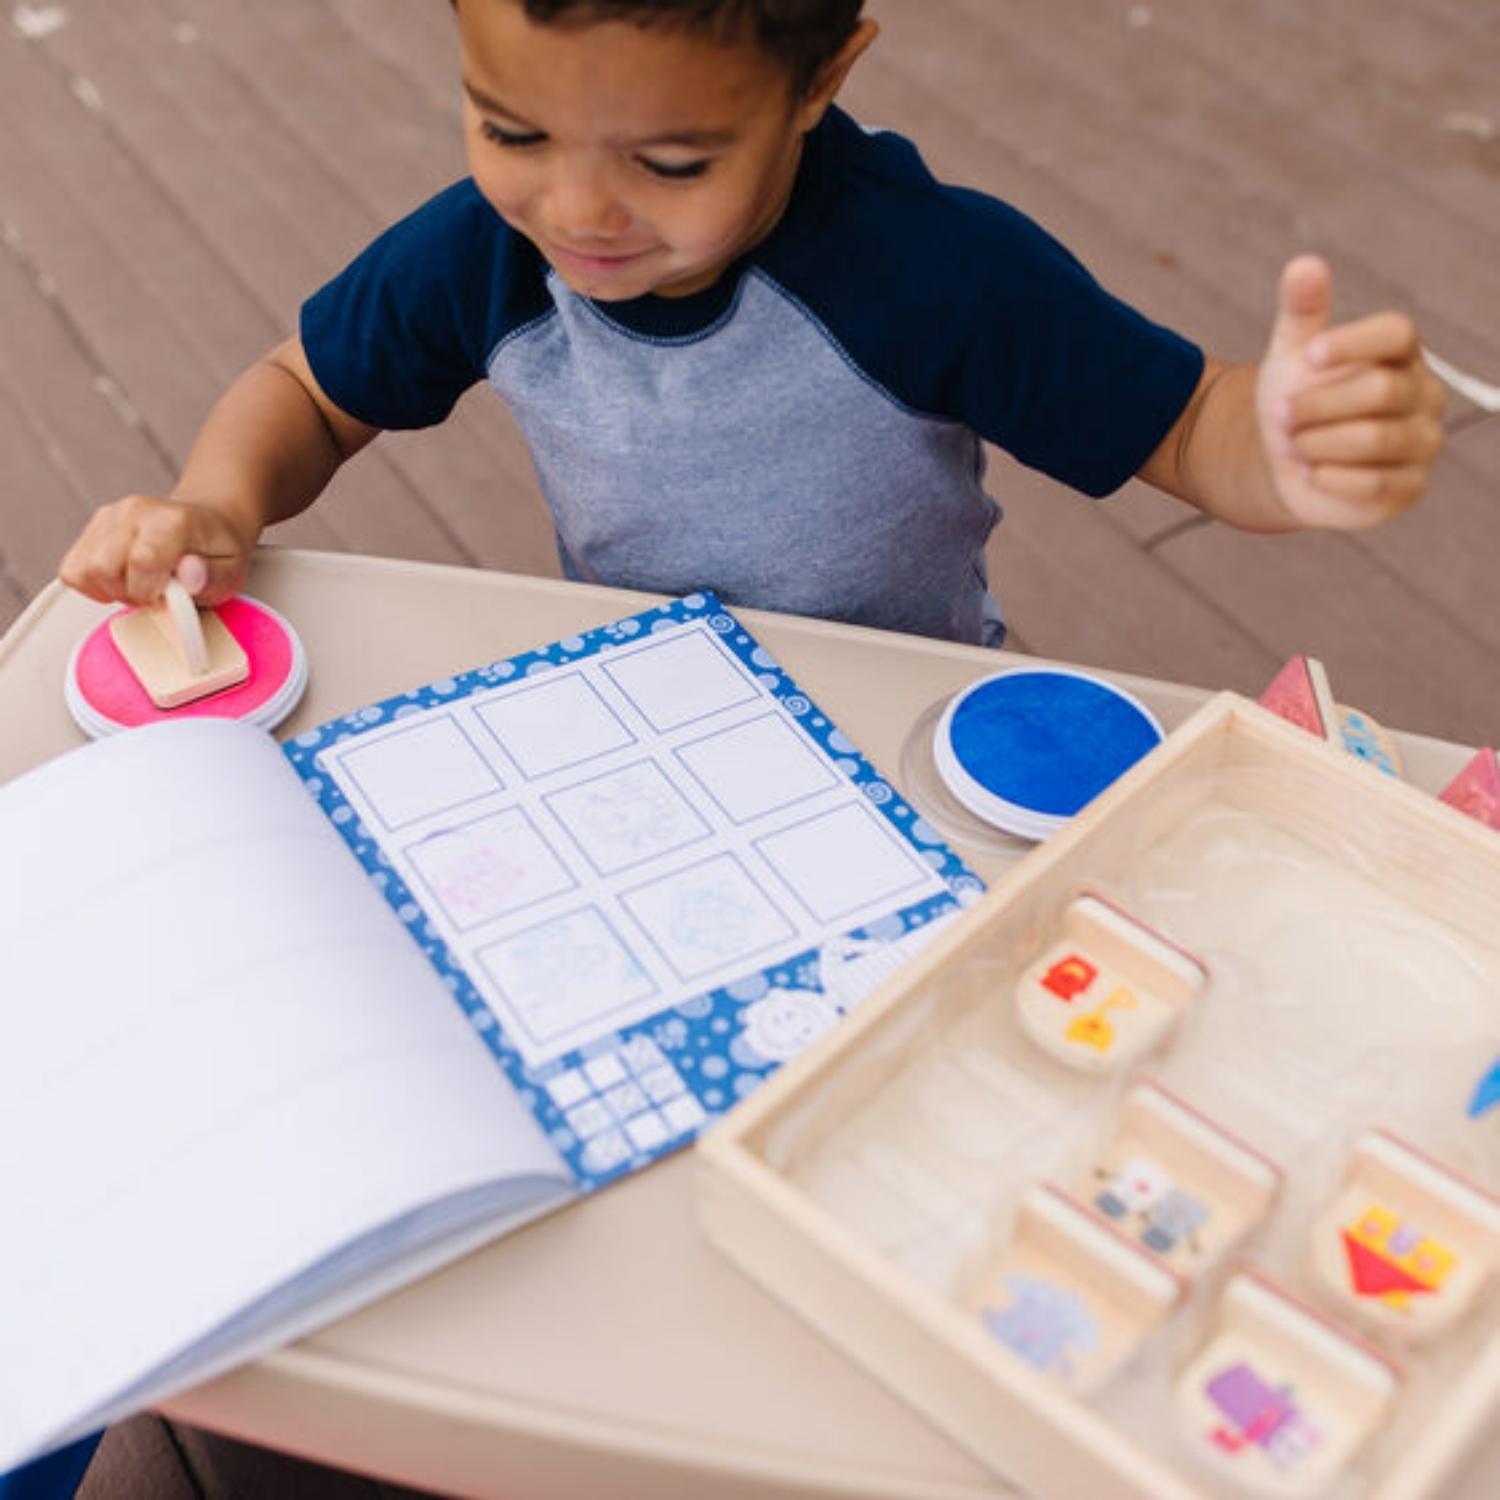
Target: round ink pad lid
{"x": 105, "y": 696}
{"x": 1025, "y": 749}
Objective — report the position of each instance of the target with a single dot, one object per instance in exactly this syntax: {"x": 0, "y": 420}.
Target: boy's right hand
{"x": 129, "y": 550}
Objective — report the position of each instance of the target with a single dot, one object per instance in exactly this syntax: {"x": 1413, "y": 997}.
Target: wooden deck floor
{"x": 175, "y": 175}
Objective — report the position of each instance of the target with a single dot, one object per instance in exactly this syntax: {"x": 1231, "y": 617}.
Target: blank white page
{"x": 221, "y": 1059}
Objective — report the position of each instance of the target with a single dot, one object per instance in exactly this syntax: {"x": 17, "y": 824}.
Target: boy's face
{"x": 636, "y": 159}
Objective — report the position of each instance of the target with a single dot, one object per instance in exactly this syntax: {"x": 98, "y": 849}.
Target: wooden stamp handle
{"x": 176, "y": 616}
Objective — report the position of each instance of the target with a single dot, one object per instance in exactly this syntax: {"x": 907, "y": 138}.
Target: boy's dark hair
{"x": 800, "y": 34}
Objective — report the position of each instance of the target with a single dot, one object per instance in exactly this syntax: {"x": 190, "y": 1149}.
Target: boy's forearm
{"x": 266, "y": 451}
{"x": 1214, "y": 457}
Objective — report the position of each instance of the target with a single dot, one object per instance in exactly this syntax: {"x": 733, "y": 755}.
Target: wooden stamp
{"x": 1300, "y": 694}
{"x": 1071, "y": 1297}
{"x": 1178, "y": 1184}
{"x": 1279, "y": 1399}
{"x": 178, "y": 652}
{"x": 1486, "y": 1095}
{"x": 1108, "y": 991}
{"x": 1406, "y": 1245}
{"x": 1368, "y": 741}
{"x": 1476, "y": 789}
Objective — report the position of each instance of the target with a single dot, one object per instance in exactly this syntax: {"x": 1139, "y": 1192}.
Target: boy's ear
{"x": 830, "y": 77}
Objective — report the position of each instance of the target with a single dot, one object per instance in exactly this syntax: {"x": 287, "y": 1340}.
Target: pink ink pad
{"x": 104, "y": 695}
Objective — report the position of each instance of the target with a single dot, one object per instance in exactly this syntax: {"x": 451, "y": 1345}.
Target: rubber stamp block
{"x": 1476, "y": 789}
{"x": 1069, "y": 1296}
{"x": 1181, "y": 1186}
{"x": 1300, "y": 694}
{"x": 178, "y": 652}
{"x": 1406, "y": 1245}
{"x": 1280, "y": 1400}
{"x": 1108, "y": 990}
{"x": 1363, "y": 738}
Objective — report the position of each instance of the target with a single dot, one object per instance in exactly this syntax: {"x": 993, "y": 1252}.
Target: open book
{"x": 265, "y": 1055}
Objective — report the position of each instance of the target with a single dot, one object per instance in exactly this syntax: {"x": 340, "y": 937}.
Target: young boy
{"x": 755, "y": 348}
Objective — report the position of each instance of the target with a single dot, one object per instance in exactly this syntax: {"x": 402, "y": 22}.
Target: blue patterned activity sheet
{"x": 645, "y": 864}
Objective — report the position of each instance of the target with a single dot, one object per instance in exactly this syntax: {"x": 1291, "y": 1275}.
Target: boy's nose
{"x": 581, "y": 208}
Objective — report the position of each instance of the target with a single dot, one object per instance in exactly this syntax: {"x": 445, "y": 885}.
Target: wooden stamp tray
{"x": 928, "y": 1151}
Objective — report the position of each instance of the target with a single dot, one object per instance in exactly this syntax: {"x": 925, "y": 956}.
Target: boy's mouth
{"x": 591, "y": 261}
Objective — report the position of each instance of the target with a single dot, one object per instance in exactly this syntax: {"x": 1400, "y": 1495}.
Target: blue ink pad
{"x": 1025, "y": 749}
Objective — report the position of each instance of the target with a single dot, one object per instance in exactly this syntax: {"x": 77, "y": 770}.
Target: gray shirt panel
{"x": 753, "y": 458}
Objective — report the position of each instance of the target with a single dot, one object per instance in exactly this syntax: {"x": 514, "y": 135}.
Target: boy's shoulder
{"x": 887, "y": 255}
{"x": 455, "y": 234}
{"x": 410, "y": 324}
{"x": 961, "y": 306}
{"x": 870, "y": 191}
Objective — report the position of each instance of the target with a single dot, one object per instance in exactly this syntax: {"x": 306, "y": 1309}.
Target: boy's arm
{"x": 265, "y": 452}
{"x": 1337, "y": 427}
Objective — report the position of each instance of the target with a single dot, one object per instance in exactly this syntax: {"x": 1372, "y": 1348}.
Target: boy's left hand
{"x": 1350, "y": 416}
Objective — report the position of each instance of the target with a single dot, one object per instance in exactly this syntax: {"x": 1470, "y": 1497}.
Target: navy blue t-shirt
{"x": 805, "y": 433}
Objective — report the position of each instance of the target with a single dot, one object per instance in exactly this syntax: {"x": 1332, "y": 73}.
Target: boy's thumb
{"x": 1304, "y": 304}
{"x": 210, "y": 579}
{"x": 192, "y": 573}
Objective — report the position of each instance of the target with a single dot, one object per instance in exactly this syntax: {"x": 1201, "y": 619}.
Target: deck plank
{"x": 56, "y": 374}
{"x": 40, "y": 528}
{"x": 1080, "y": 590}
{"x": 1388, "y": 649}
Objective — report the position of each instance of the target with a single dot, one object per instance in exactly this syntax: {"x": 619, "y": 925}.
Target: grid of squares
{"x": 623, "y": 1102}
{"x": 616, "y": 769}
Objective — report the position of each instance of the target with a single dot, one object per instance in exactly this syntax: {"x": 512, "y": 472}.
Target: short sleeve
{"x": 1049, "y": 365}
{"x": 962, "y": 308}
{"x": 398, "y": 336}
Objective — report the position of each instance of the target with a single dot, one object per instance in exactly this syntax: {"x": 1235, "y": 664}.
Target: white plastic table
{"x": 607, "y": 1350}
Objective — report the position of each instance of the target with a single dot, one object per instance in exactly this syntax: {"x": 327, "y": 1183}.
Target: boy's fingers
{"x": 148, "y": 565}
{"x": 1367, "y": 391}
{"x": 1304, "y": 304}
{"x": 1382, "y": 338}
{"x": 1378, "y": 441}
{"x": 95, "y": 563}
{"x": 1365, "y": 495}
{"x": 163, "y": 533}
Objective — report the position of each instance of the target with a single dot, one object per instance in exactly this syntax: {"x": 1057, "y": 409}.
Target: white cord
{"x": 1486, "y": 397}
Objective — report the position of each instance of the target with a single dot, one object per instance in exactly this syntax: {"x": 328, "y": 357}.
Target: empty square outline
{"x": 675, "y": 682}
{"x": 839, "y": 861}
{"x": 757, "y": 767}
{"x": 554, "y": 723}
{"x": 413, "y": 773}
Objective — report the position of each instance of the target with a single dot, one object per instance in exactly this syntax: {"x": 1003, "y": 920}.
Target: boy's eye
{"x": 502, "y": 137}
{"x": 675, "y": 170}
